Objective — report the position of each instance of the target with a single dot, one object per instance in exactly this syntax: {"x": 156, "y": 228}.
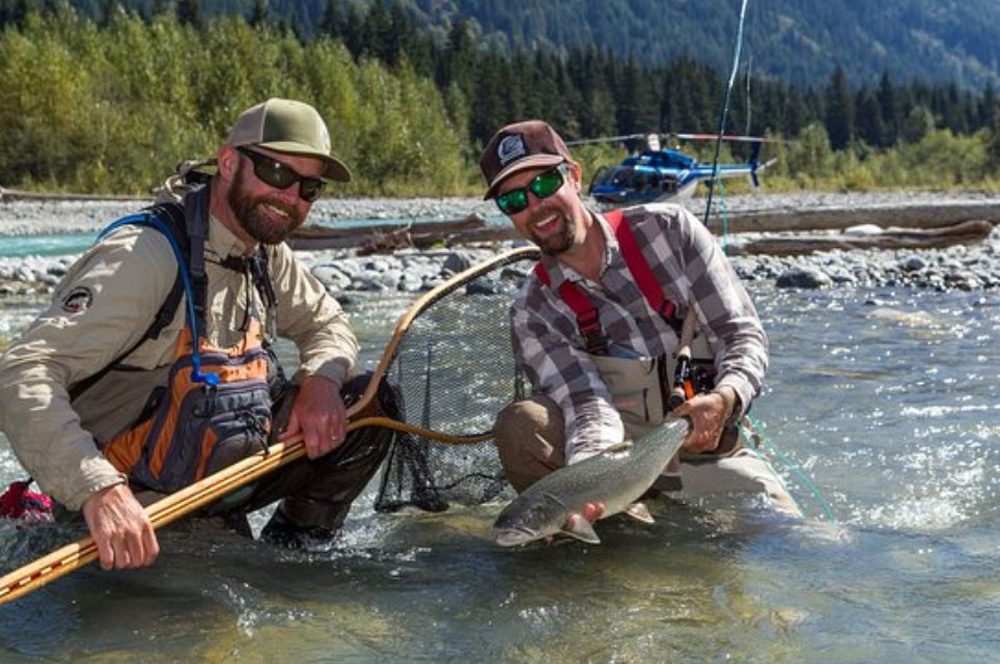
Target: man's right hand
{"x": 121, "y": 528}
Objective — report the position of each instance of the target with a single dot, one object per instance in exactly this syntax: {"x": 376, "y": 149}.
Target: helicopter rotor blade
{"x": 725, "y": 137}
{"x": 606, "y": 139}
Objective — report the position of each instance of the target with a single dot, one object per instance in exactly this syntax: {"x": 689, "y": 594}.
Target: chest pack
{"x": 215, "y": 406}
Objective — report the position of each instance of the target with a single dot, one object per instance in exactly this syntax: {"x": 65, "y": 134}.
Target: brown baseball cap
{"x": 518, "y": 146}
{"x": 288, "y": 126}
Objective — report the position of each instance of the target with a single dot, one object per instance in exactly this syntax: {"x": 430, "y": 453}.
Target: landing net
{"x": 454, "y": 371}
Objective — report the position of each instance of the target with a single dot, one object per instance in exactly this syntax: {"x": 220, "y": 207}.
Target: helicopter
{"x": 658, "y": 174}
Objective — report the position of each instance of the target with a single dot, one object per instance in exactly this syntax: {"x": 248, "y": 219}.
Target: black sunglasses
{"x": 281, "y": 176}
{"x": 543, "y": 185}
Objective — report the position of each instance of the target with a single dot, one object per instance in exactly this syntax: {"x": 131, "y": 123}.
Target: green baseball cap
{"x": 291, "y": 127}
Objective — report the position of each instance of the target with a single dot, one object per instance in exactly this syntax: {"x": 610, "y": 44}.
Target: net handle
{"x": 64, "y": 560}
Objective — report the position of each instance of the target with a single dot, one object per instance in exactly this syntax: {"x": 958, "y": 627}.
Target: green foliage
{"x": 114, "y": 110}
{"x": 113, "y": 107}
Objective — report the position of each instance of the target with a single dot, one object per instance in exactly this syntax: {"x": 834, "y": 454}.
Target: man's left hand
{"x": 319, "y": 415}
{"x": 708, "y": 414}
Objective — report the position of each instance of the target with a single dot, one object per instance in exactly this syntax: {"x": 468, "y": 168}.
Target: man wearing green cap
{"x": 153, "y": 366}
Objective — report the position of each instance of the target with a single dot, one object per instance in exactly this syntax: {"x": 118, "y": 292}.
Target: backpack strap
{"x": 172, "y": 217}
{"x": 196, "y": 226}
{"x": 174, "y": 221}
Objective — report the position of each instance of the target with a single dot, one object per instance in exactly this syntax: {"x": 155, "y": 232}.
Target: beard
{"x": 253, "y": 217}
{"x": 557, "y": 243}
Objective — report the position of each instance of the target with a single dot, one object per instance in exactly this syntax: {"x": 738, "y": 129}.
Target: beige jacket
{"x": 101, "y": 309}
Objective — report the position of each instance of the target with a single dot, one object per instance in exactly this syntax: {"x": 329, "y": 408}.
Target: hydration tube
{"x": 209, "y": 379}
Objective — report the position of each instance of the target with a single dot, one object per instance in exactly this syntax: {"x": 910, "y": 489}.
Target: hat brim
{"x": 335, "y": 169}
{"x": 533, "y": 161}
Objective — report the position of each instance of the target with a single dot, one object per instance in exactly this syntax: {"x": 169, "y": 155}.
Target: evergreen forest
{"x": 111, "y": 105}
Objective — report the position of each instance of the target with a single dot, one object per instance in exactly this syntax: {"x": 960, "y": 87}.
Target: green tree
{"x": 889, "y": 110}
{"x": 918, "y": 124}
{"x": 189, "y": 13}
{"x": 839, "y": 110}
{"x": 259, "y": 14}
{"x": 991, "y": 163}
{"x": 331, "y": 23}
{"x": 870, "y": 127}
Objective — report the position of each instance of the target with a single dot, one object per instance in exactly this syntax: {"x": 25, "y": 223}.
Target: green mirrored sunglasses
{"x": 543, "y": 185}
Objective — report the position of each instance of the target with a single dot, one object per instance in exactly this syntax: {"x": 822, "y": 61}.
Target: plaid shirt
{"x": 687, "y": 261}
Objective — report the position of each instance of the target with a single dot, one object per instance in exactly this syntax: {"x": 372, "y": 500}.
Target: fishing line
{"x": 788, "y": 463}
{"x": 725, "y": 107}
{"x": 749, "y": 71}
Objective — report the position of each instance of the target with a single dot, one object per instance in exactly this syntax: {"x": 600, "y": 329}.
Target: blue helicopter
{"x": 658, "y": 174}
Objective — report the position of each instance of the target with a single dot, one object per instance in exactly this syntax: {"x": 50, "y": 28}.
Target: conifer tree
{"x": 14, "y": 12}
{"x": 330, "y": 25}
{"x": 992, "y": 165}
{"x": 889, "y": 110}
{"x": 189, "y": 13}
{"x": 839, "y": 110}
{"x": 869, "y": 125}
{"x": 259, "y": 14}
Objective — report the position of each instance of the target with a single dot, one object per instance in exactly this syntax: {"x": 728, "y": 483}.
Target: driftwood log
{"x": 915, "y": 227}
{"x": 919, "y": 216}
{"x": 968, "y": 232}
{"x": 388, "y": 237}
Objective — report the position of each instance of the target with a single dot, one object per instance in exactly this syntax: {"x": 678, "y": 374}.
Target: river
{"x": 884, "y": 400}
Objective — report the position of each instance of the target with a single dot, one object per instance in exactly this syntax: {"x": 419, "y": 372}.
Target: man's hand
{"x": 319, "y": 415}
{"x": 121, "y": 529}
{"x": 592, "y": 511}
{"x": 708, "y": 414}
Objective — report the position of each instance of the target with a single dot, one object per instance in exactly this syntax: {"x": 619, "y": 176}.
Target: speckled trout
{"x": 617, "y": 478}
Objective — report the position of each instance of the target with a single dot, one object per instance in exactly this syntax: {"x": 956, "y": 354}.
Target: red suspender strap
{"x": 588, "y": 322}
{"x": 639, "y": 267}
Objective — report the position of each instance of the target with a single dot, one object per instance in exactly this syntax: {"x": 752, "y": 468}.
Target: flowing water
{"x": 884, "y": 401}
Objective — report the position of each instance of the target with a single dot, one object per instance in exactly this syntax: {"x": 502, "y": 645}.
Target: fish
{"x": 617, "y": 477}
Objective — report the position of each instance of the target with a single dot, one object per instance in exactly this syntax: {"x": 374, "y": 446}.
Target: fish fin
{"x": 617, "y": 448}
{"x": 640, "y": 512}
{"x": 582, "y": 530}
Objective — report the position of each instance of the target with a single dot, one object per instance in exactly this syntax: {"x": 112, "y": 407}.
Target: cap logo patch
{"x": 77, "y": 300}
{"x": 510, "y": 148}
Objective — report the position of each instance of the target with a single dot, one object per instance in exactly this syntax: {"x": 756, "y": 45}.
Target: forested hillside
{"x": 795, "y": 41}
{"x": 113, "y": 104}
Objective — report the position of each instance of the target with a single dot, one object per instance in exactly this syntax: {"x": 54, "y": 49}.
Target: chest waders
{"x": 643, "y": 388}
{"x": 215, "y": 407}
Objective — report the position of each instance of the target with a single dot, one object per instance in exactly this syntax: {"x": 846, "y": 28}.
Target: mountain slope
{"x": 796, "y": 41}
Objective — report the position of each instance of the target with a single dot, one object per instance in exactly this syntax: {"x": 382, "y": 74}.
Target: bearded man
{"x": 153, "y": 366}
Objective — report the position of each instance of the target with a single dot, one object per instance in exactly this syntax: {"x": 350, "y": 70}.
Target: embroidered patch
{"x": 77, "y": 300}
{"x": 511, "y": 148}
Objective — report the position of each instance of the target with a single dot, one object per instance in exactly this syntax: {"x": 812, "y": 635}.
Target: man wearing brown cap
{"x": 598, "y": 325}
{"x": 108, "y": 403}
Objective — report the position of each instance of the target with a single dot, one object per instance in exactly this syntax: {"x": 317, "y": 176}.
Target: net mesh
{"x": 454, "y": 371}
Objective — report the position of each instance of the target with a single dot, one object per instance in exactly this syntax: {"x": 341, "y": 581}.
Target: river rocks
{"x": 407, "y": 271}
{"x": 804, "y": 277}
{"x": 962, "y": 267}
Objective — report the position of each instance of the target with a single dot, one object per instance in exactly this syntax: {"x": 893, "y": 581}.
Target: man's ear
{"x": 577, "y": 177}
{"x": 227, "y": 161}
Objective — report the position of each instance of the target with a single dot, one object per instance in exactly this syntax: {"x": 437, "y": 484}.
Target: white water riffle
{"x": 885, "y": 399}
